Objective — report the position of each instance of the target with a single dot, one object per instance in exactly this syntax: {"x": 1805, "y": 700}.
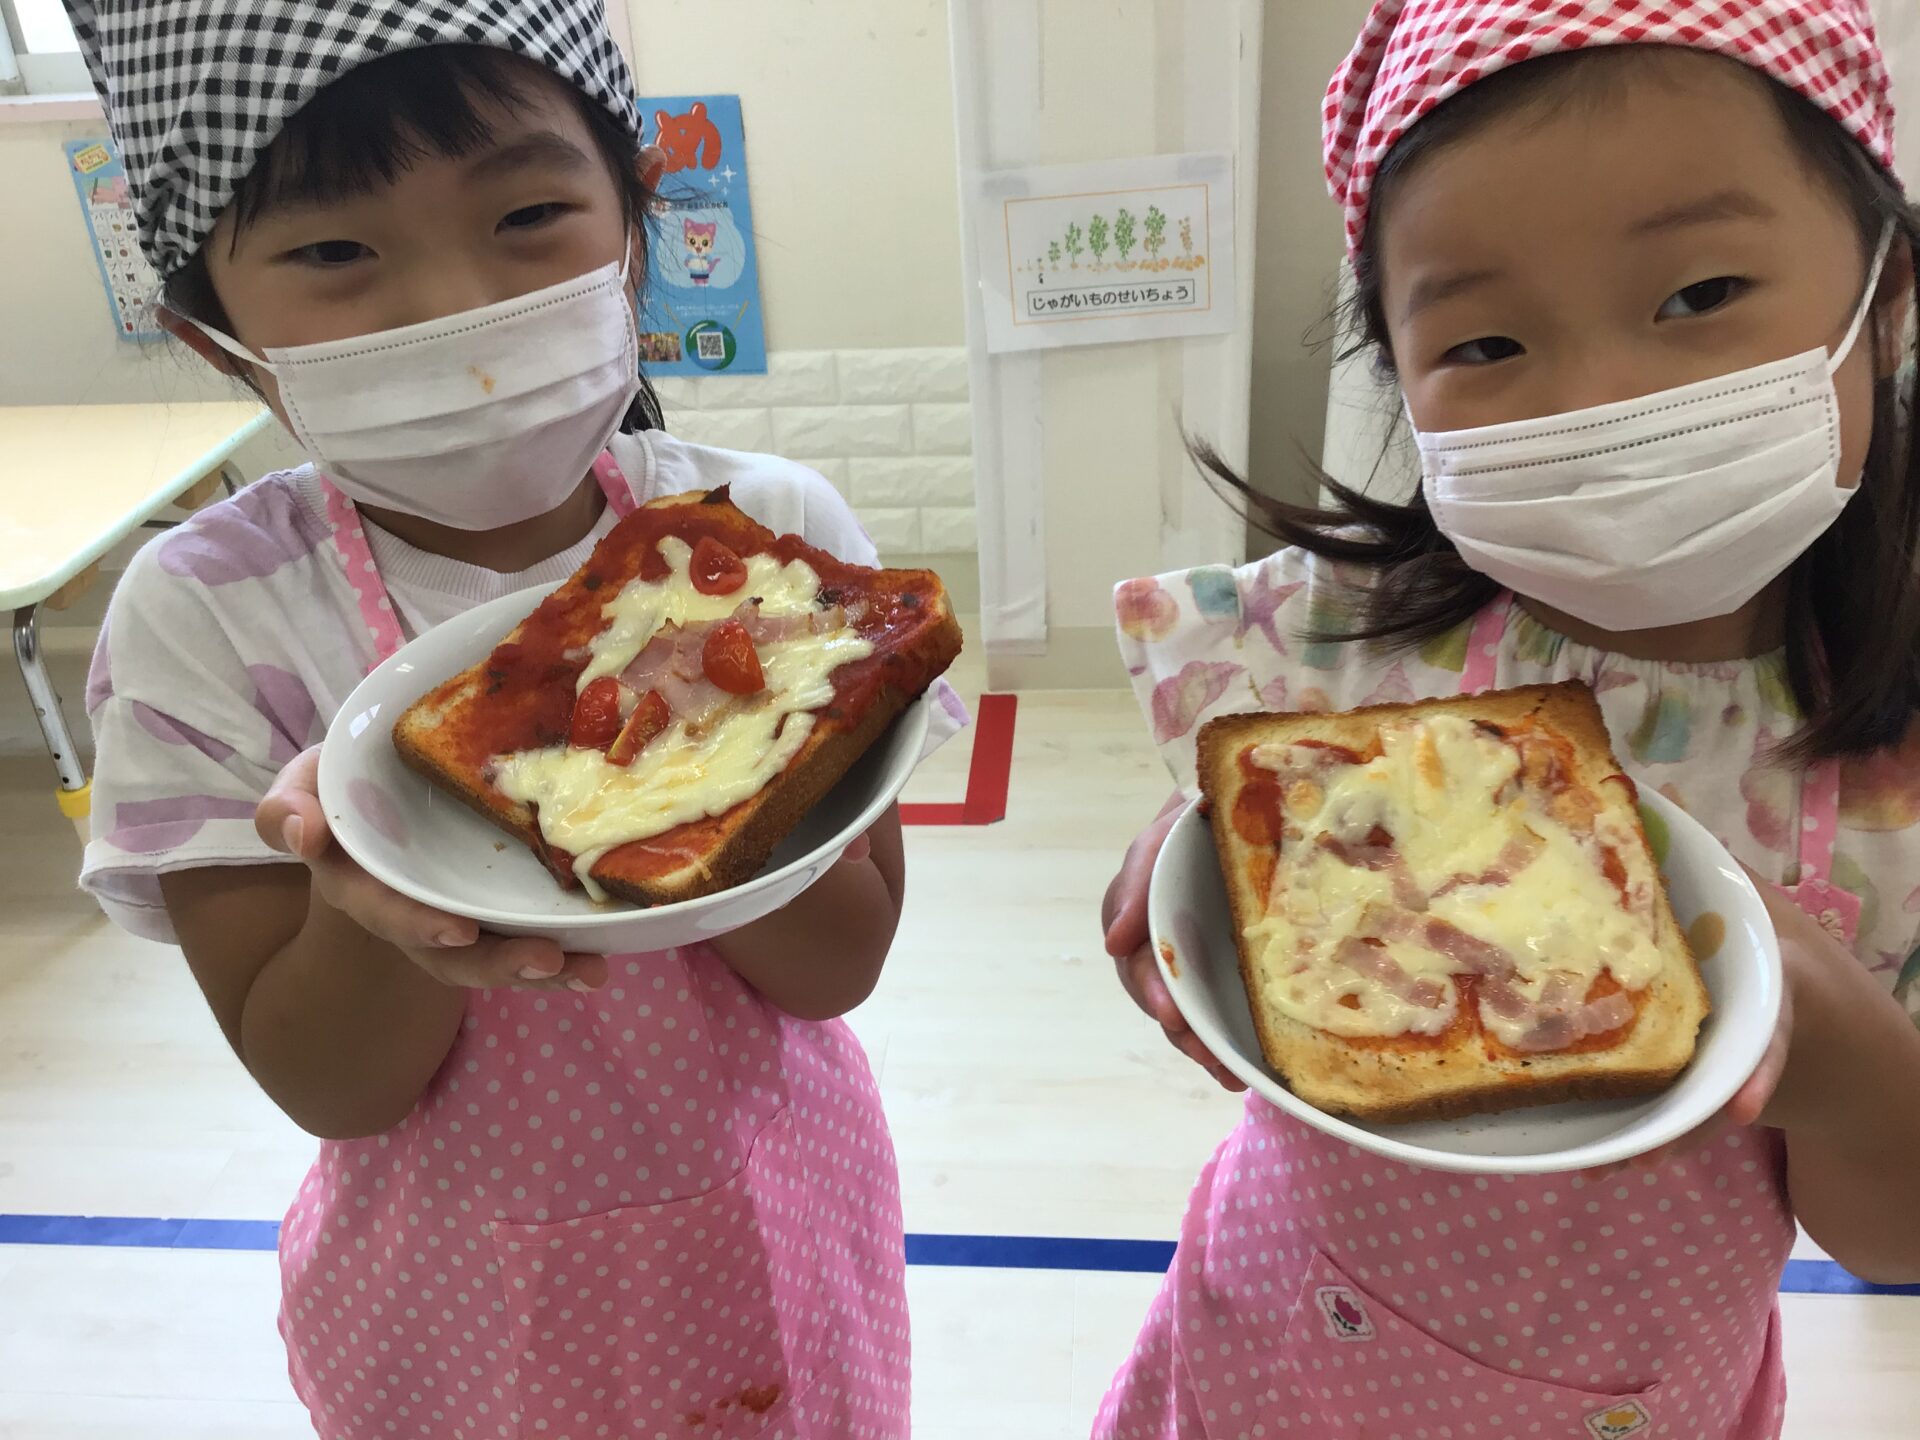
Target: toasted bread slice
{"x": 1463, "y": 1067}
{"x": 522, "y": 699}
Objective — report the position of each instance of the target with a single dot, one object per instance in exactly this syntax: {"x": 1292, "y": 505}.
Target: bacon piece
{"x": 1471, "y": 955}
{"x": 1370, "y": 960}
{"x": 776, "y": 629}
{"x": 672, "y": 663}
{"x": 1381, "y": 858}
{"x": 1557, "y": 1028}
{"x": 1516, "y": 855}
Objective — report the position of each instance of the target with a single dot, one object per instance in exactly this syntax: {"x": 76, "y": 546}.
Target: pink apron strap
{"x": 356, "y": 557}
{"x": 613, "y": 481}
{"x": 1837, "y": 909}
{"x": 1481, "y": 672}
{"x": 370, "y": 591}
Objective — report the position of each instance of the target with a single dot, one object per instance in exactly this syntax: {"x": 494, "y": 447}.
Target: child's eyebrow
{"x": 1708, "y": 210}
{"x": 544, "y": 149}
{"x": 1430, "y": 290}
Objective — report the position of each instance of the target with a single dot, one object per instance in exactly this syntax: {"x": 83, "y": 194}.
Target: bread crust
{"x": 1415, "y": 1078}
{"x": 714, "y": 854}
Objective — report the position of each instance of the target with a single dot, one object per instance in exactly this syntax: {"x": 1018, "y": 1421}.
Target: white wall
{"x": 848, "y": 110}
{"x": 58, "y": 343}
{"x": 1899, "y": 22}
{"x": 849, "y": 116}
{"x": 1301, "y": 243}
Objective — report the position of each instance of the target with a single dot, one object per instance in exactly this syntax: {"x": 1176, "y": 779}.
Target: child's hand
{"x": 1755, "y": 1102}
{"x": 1123, "y": 915}
{"x": 448, "y": 947}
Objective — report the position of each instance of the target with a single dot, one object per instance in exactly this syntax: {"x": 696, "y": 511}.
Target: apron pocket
{"x": 1369, "y": 1373}
{"x": 701, "y": 1317}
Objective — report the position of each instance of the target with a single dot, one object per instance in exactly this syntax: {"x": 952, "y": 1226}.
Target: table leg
{"x": 75, "y": 792}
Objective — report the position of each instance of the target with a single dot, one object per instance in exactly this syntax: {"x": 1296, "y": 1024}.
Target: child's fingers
{"x": 386, "y": 914}
{"x": 1141, "y": 979}
{"x": 496, "y": 962}
{"x": 289, "y": 817}
{"x": 1125, "y": 910}
{"x": 860, "y": 851}
{"x": 1188, "y": 1044}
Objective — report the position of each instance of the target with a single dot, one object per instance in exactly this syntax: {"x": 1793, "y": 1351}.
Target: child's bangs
{"x": 369, "y": 127}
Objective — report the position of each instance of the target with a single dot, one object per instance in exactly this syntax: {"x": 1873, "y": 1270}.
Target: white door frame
{"x": 999, "y": 105}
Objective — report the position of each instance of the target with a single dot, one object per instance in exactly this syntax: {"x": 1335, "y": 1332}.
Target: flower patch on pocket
{"x": 1617, "y": 1422}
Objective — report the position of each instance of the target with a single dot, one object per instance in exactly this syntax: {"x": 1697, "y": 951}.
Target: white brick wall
{"x": 891, "y": 429}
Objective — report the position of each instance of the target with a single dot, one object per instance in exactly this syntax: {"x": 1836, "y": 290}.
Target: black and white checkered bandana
{"x": 196, "y": 90}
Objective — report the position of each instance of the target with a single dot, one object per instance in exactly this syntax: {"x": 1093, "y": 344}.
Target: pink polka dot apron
{"x": 662, "y": 1210}
{"x": 1318, "y": 1291}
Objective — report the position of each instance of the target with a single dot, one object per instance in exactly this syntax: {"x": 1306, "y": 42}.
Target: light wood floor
{"x": 1025, "y": 1095}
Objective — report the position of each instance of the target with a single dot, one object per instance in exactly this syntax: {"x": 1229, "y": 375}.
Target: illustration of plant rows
{"x": 1124, "y": 241}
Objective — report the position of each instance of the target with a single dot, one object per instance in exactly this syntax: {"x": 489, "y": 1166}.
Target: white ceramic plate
{"x": 429, "y": 846}
{"x": 1189, "y": 918}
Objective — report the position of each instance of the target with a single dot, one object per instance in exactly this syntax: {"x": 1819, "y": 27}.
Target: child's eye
{"x": 1488, "y": 350}
{"x": 1704, "y": 298}
{"x": 531, "y": 217}
{"x": 330, "y": 253}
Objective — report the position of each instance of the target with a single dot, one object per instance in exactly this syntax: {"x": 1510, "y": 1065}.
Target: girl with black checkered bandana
{"x": 559, "y": 1195}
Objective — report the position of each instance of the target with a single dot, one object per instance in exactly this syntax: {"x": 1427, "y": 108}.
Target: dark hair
{"x": 1853, "y": 598}
{"x": 370, "y": 125}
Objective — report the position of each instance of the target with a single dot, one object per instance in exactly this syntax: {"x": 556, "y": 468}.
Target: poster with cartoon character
{"x": 702, "y": 313}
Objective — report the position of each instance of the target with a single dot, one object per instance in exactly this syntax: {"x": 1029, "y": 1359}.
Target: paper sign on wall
{"x": 701, "y": 314}
{"x": 1092, "y": 254}
{"x": 131, "y": 285}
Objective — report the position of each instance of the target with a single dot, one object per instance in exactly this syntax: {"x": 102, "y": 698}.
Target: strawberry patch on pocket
{"x": 1346, "y": 1317}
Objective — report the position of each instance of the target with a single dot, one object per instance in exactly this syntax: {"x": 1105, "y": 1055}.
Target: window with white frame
{"x": 38, "y": 54}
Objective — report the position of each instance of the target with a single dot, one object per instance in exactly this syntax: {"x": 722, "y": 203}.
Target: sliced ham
{"x": 671, "y": 664}
{"x": 1555, "y": 1028}
{"x": 1516, "y": 855}
{"x": 1470, "y": 955}
{"x": 1371, "y": 961}
{"x": 775, "y": 629}
{"x": 1376, "y": 853}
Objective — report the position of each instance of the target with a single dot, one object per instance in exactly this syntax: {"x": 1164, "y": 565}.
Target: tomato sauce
{"x": 532, "y": 677}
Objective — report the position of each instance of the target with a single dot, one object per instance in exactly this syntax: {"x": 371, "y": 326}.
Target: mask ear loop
{"x": 233, "y": 347}
{"x": 1839, "y": 357}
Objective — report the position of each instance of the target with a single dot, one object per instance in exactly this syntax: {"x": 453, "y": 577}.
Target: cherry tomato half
{"x": 649, "y": 719}
{"x": 731, "y": 661}
{"x": 596, "y": 715}
{"x": 715, "y": 569}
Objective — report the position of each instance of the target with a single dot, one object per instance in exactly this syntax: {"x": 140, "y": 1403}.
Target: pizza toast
{"x": 1449, "y": 908}
{"x": 667, "y": 716}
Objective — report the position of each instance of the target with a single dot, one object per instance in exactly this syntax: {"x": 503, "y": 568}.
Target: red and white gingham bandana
{"x": 1414, "y": 54}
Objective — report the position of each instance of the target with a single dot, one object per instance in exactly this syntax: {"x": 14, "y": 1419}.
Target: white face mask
{"x": 1674, "y": 507}
{"x": 476, "y": 420}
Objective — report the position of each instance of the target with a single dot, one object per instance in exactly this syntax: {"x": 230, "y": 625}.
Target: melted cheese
{"x": 1445, "y": 791}
{"x": 588, "y": 806}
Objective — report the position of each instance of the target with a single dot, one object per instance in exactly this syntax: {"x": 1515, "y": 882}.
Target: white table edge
{"x": 37, "y": 590}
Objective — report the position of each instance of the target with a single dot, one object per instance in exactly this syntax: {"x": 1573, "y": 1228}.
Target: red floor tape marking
{"x": 987, "y": 779}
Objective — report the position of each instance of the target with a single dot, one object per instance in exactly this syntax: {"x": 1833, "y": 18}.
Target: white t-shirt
{"x": 234, "y": 639}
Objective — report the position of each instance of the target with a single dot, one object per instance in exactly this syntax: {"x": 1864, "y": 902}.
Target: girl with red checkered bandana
{"x": 1644, "y": 277}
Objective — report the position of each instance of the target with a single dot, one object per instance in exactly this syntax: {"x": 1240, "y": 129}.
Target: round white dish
{"x": 427, "y": 845}
{"x": 1193, "y": 935}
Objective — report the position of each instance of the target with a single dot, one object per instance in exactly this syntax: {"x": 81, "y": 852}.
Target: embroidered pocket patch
{"x": 1346, "y": 1317}
{"x": 1616, "y": 1422}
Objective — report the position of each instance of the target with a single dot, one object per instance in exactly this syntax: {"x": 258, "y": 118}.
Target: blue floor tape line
{"x": 987, "y": 1252}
